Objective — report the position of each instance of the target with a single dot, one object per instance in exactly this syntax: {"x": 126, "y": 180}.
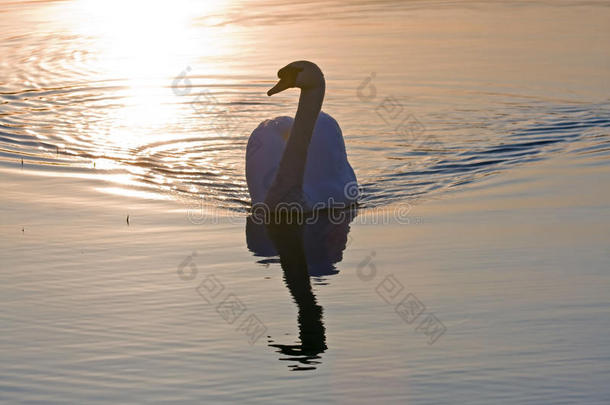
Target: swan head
{"x": 302, "y": 74}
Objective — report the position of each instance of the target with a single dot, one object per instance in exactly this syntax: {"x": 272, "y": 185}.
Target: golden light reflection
{"x": 143, "y": 45}
{"x": 129, "y": 192}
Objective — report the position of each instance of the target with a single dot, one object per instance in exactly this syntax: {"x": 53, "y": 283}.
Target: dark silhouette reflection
{"x": 306, "y": 247}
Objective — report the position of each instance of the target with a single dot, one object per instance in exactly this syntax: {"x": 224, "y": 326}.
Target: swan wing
{"x": 328, "y": 172}
{"x": 263, "y": 155}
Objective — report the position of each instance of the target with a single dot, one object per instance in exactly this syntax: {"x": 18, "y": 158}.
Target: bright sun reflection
{"x": 144, "y": 45}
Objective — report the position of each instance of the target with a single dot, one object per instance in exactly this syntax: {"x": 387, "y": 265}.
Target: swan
{"x": 302, "y": 160}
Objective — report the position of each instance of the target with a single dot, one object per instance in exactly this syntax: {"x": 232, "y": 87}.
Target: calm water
{"x": 138, "y": 108}
{"x": 163, "y": 98}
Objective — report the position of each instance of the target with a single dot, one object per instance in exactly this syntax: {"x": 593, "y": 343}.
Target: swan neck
{"x": 288, "y": 184}
{"x": 310, "y": 105}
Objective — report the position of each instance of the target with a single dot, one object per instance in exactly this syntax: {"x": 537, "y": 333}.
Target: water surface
{"x": 430, "y": 96}
{"x": 484, "y": 124}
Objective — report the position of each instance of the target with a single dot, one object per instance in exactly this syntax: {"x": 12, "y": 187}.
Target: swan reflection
{"x": 309, "y": 248}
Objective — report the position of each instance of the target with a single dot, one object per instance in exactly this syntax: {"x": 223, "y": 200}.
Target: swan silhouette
{"x": 302, "y": 160}
{"x": 307, "y": 249}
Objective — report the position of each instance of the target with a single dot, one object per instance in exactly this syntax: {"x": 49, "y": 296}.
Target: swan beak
{"x": 280, "y": 86}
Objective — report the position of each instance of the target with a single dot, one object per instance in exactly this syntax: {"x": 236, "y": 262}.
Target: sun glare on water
{"x": 125, "y": 56}
{"x": 142, "y": 46}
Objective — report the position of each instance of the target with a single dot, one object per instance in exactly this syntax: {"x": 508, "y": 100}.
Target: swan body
{"x": 301, "y": 160}
{"x": 328, "y": 174}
